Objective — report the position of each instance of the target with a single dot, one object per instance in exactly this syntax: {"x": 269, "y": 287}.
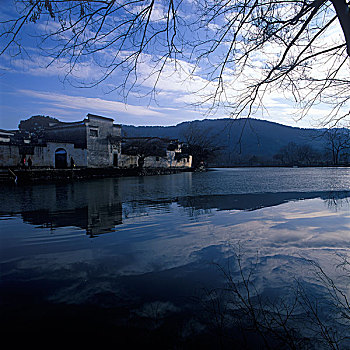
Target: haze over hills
{"x": 239, "y": 138}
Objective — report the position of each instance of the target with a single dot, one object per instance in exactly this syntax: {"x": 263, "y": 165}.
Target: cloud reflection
{"x": 160, "y": 248}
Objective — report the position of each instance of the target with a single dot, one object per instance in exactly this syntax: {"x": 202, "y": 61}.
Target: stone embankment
{"x": 44, "y": 175}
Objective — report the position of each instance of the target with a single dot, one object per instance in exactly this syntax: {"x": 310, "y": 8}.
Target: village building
{"x": 5, "y": 135}
{"x": 95, "y": 142}
{"x": 153, "y": 152}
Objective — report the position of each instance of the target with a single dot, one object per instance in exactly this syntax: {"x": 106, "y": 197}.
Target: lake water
{"x": 166, "y": 259}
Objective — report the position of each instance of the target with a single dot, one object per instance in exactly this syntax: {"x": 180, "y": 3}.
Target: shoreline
{"x": 281, "y": 166}
{"x": 39, "y": 175}
{"x": 20, "y": 176}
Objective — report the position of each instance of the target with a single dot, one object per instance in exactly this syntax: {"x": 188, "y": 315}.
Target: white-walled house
{"x": 94, "y": 142}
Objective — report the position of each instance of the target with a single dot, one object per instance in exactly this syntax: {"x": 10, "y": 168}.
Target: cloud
{"x": 98, "y": 105}
{"x": 158, "y": 12}
{"x": 44, "y": 66}
{"x": 181, "y": 83}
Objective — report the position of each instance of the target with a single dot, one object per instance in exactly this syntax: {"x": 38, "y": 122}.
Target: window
{"x": 94, "y": 132}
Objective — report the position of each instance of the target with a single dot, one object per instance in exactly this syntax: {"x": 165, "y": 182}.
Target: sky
{"x": 31, "y": 84}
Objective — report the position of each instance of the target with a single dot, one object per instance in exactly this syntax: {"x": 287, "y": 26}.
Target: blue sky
{"x": 30, "y": 86}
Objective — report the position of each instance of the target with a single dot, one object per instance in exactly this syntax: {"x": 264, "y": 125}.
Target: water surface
{"x": 147, "y": 248}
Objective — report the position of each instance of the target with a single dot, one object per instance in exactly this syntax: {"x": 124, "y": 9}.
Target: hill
{"x": 240, "y": 139}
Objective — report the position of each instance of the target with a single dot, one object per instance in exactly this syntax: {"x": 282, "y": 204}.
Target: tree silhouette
{"x": 338, "y": 142}
{"x": 201, "y": 144}
{"x": 144, "y": 147}
{"x": 237, "y": 51}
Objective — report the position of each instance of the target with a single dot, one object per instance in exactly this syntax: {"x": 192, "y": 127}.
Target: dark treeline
{"x": 292, "y": 154}
{"x": 327, "y": 147}
{"x": 254, "y": 142}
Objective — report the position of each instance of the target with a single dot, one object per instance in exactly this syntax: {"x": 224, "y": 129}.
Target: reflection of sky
{"x": 164, "y": 232}
{"x": 171, "y": 241}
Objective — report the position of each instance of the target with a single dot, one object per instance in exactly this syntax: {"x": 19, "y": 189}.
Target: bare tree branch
{"x": 242, "y": 50}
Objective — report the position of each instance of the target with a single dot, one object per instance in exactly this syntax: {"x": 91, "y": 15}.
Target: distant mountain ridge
{"x": 240, "y": 138}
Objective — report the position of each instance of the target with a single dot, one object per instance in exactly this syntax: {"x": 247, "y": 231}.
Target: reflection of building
{"x": 94, "y": 142}
{"x": 94, "y": 207}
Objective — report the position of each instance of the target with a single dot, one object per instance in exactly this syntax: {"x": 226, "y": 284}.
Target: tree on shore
{"x": 36, "y": 123}
{"x": 337, "y": 143}
{"x": 201, "y": 144}
{"x": 294, "y": 154}
{"x": 237, "y": 52}
{"x": 143, "y": 147}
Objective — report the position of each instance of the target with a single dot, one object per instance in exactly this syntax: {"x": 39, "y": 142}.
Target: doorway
{"x": 115, "y": 159}
{"x": 60, "y": 158}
